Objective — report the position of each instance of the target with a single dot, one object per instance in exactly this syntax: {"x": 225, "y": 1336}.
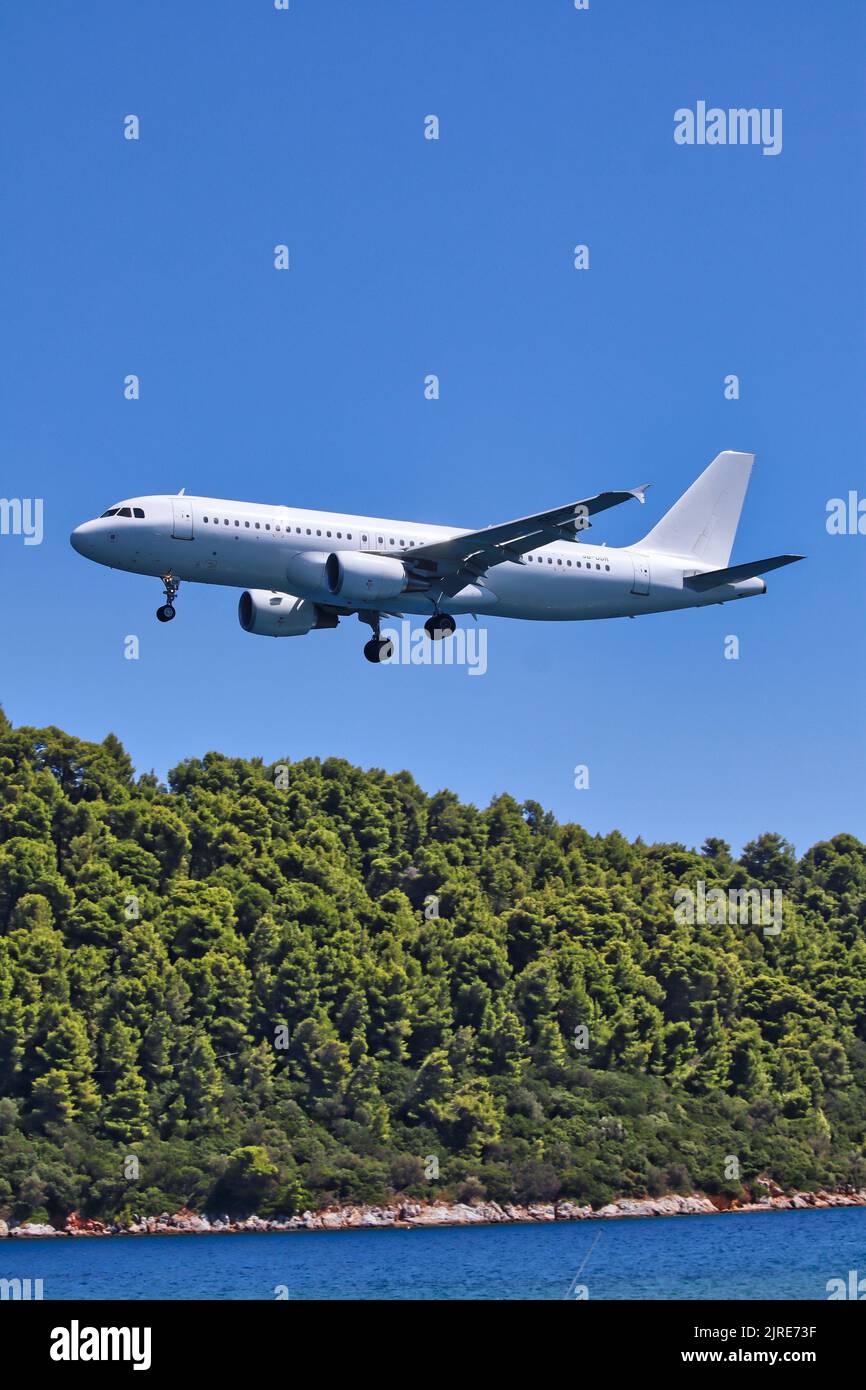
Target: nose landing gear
{"x": 166, "y": 611}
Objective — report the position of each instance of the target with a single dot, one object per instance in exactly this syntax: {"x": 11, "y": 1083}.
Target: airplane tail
{"x": 704, "y": 521}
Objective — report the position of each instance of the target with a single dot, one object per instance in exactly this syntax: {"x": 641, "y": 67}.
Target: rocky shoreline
{"x": 408, "y": 1214}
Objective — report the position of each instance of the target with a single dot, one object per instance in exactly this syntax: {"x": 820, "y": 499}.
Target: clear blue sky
{"x": 455, "y": 257}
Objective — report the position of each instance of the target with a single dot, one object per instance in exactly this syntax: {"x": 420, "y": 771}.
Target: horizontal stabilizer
{"x": 713, "y": 578}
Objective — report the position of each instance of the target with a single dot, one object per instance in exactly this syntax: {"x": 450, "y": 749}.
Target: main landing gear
{"x": 378, "y": 648}
{"x": 166, "y": 612}
{"x": 381, "y": 648}
{"x": 439, "y": 626}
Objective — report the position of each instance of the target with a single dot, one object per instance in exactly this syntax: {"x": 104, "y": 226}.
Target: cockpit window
{"x": 112, "y": 511}
{"x": 125, "y": 511}
{"x": 137, "y": 511}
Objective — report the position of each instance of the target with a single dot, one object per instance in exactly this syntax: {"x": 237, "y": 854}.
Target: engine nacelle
{"x": 305, "y": 572}
{"x": 269, "y": 614}
{"x": 357, "y": 577}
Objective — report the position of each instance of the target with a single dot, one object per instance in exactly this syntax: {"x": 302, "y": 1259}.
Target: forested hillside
{"x": 232, "y": 981}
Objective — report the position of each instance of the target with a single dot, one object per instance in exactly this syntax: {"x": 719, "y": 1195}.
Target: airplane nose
{"x": 82, "y": 539}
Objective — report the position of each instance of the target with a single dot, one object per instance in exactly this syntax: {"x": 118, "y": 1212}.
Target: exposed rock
{"x": 770, "y": 1184}
{"x": 77, "y": 1225}
{"x": 377, "y": 1216}
{"x": 570, "y": 1211}
{"x": 696, "y": 1206}
{"x": 35, "y": 1228}
{"x": 332, "y": 1221}
{"x": 439, "y": 1214}
{"x": 417, "y": 1213}
{"x": 543, "y": 1211}
{"x": 252, "y": 1223}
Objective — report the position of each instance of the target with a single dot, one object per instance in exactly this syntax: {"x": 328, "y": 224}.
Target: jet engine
{"x": 356, "y": 577}
{"x": 306, "y": 572}
{"x": 269, "y": 614}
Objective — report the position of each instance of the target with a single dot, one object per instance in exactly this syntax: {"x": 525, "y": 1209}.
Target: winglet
{"x": 640, "y": 492}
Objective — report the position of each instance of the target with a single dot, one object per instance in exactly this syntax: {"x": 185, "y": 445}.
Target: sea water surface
{"x": 772, "y": 1255}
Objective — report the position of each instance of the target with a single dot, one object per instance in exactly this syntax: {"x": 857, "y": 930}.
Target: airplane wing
{"x": 466, "y": 557}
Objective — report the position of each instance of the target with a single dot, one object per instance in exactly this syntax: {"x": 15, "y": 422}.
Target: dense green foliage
{"x": 234, "y": 984}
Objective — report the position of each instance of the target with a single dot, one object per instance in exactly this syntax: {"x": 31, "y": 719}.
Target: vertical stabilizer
{"x": 704, "y": 521}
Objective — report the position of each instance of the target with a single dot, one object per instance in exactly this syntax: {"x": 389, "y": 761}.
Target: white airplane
{"x": 308, "y": 569}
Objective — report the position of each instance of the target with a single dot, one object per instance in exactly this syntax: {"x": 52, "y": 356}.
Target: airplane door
{"x": 182, "y": 516}
{"x": 641, "y": 577}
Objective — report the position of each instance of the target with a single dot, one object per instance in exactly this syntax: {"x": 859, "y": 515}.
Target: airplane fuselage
{"x": 210, "y": 540}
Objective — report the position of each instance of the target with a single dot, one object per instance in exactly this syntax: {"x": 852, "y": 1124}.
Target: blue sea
{"x": 766, "y": 1255}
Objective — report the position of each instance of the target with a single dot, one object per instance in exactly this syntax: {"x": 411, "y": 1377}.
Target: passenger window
{"x": 258, "y": 526}
{"x": 203, "y": 518}
{"x": 237, "y": 523}
{"x": 226, "y": 522}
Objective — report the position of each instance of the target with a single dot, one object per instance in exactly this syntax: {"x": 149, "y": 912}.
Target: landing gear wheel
{"x": 439, "y": 626}
{"x": 379, "y": 649}
{"x": 165, "y": 613}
